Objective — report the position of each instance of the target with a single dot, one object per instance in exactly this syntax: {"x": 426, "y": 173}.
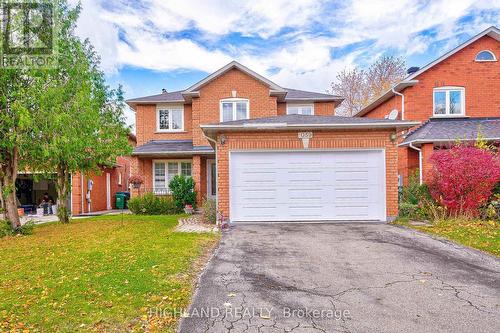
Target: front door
{"x": 211, "y": 179}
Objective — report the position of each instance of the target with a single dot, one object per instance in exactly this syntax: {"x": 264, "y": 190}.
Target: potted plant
{"x": 136, "y": 181}
{"x": 188, "y": 209}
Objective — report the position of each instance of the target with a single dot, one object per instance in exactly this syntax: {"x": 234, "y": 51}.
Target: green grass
{"x": 98, "y": 274}
{"x": 481, "y": 235}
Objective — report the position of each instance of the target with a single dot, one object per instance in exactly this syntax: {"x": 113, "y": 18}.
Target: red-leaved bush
{"x": 463, "y": 178}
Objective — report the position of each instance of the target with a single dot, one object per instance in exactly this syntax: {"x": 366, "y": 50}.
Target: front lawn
{"x": 99, "y": 274}
{"x": 482, "y": 235}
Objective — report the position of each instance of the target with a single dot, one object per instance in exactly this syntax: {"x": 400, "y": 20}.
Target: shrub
{"x": 150, "y": 204}
{"x": 416, "y": 201}
{"x": 463, "y": 178}
{"x": 183, "y": 191}
{"x": 6, "y": 229}
{"x": 210, "y": 211}
{"x": 410, "y": 210}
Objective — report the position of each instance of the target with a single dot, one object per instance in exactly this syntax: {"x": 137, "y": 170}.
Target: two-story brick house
{"x": 456, "y": 97}
{"x": 267, "y": 153}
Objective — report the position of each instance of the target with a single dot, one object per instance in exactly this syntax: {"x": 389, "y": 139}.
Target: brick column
{"x": 427, "y": 150}
{"x": 76, "y": 194}
{"x": 134, "y": 170}
{"x": 197, "y": 174}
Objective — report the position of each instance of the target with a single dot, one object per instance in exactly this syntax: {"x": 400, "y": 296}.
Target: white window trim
{"x": 490, "y": 52}
{"x": 300, "y": 105}
{"x": 234, "y": 100}
{"x": 166, "y": 170}
{"x": 447, "y": 90}
{"x": 169, "y": 108}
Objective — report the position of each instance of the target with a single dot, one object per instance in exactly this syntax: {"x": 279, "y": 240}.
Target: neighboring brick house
{"x": 456, "y": 97}
{"x": 267, "y": 153}
{"x": 100, "y": 195}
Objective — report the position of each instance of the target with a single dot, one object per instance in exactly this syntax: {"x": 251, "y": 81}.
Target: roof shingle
{"x": 158, "y": 147}
{"x": 455, "y": 129}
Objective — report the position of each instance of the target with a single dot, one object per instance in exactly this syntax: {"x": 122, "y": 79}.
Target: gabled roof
{"x": 193, "y": 90}
{"x": 284, "y": 94}
{"x": 294, "y": 95}
{"x": 449, "y": 130}
{"x": 166, "y": 97}
{"x": 410, "y": 80}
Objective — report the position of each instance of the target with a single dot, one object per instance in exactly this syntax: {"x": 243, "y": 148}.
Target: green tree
{"x": 82, "y": 126}
{"x": 17, "y": 121}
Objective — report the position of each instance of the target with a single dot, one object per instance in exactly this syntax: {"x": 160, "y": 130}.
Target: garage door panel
{"x": 301, "y": 186}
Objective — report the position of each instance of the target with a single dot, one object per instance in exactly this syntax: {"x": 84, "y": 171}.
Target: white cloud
{"x": 150, "y": 34}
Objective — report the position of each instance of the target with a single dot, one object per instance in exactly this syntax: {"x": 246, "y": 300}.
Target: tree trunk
{"x": 62, "y": 194}
{"x": 8, "y": 187}
{"x": 2, "y": 203}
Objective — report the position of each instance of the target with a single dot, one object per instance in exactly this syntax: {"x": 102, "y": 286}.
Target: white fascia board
{"x": 284, "y": 126}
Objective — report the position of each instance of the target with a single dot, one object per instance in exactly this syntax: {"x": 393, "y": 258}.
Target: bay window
{"x": 234, "y": 109}
{"x": 449, "y": 101}
{"x": 164, "y": 171}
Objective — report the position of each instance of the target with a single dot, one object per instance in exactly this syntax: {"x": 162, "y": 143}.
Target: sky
{"x": 149, "y": 45}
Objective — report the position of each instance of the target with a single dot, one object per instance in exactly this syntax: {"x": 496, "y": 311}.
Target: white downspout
{"x": 216, "y": 170}
{"x": 402, "y": 103}
{"x": 419, "y": 161}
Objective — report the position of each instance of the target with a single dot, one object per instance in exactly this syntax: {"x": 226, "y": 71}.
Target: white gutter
{"x": 253, "y": 126}
{"x": 402, "y": 103}
{"x": 419, "y": 161}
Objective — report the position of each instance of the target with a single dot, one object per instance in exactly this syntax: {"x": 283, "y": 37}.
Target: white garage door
{"x": 307, "y": 186}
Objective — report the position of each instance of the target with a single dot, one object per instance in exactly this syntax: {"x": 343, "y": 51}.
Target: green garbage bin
{"x": 120, "y": 200}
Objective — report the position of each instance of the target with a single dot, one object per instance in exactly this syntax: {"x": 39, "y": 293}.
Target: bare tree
{"x": 383, "y": 74}
{"x": 350, "y": 84}
{"x": 359, "y": 87}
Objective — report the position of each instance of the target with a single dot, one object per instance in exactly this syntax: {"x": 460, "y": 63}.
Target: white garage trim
{"x": 379, "y": 168}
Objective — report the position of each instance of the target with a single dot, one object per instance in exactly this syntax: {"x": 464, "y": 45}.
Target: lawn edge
{"x": 199, "y": 270}
{"x": 445, "y": 240}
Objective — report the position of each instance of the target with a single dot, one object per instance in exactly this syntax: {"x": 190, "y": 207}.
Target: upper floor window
{"x": 449, "y": 101}
{"x": 307, "y": 109}
{"x": 485, "y": 55}
{"x": 234, "y": 109}
{"x": 170, "y": 119}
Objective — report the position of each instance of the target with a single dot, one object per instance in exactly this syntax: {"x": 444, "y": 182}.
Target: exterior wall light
{"x": 222, "y": 139}
{"x": 393, "y": 137}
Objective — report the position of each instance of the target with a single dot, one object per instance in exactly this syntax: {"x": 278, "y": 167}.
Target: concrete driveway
{"x": 344, "y": 278}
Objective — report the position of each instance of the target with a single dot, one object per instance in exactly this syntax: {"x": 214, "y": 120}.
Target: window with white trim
{"x": 164, "y": 171}
{"x": 234, "y": 109}
{"x": 169, "y": 119}
{"x": 449, "y": 101}
{"x": 306, "y": 109}
{"x": 485, "y": 55}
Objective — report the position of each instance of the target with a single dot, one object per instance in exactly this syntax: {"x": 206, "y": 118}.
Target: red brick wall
{"x": 206, "y": 108}
{"x": 321, "y": 139}
{"x": 324, "y": 108}
{"x": 481, "y": 81}
{"x": 320, "y": 108}
{"x": 145, "y": 120}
